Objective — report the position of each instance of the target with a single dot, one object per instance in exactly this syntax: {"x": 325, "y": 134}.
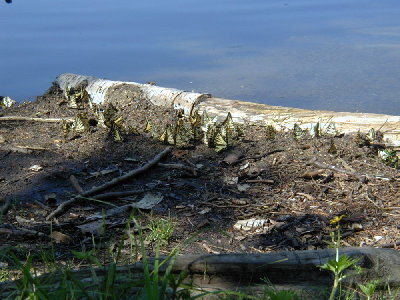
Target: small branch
{"x": 322, "y": 165}
{"x": 47, "y": 120}
{"x": 76, "y": 184}
{"x": 269, "y": 181}
{"x": 115, "y": 181}
{"x": 95, "y": 190}
{"x": 63, "y": 207}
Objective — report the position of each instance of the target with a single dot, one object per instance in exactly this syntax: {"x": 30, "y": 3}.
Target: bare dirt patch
{"x": 283, "y": 186}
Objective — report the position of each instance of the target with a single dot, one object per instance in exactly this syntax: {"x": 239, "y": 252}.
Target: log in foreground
{"x": 102, "y": 91}
{"x": 288, "y": 270}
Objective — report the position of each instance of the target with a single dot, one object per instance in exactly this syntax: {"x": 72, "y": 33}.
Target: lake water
{"x": 331, "y": 54}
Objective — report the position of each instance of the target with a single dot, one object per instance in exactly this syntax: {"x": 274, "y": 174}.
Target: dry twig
{"x": 323, "y": 165}
{"x": 97, "y": 189}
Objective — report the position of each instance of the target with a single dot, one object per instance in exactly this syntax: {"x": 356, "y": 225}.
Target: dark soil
{"x": 259, "y": 177}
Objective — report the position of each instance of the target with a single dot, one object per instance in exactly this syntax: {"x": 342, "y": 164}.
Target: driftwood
{"x": 288, "y": 269}
{"x": 97, "y": 189}
{"x": 31, "y": 119}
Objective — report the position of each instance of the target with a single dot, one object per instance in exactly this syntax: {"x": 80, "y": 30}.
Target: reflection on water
{"x": 333, "y": 54}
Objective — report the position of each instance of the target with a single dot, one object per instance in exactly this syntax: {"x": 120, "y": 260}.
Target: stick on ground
{"x": 62, "y": 208}
{"x": 43, "y": 120}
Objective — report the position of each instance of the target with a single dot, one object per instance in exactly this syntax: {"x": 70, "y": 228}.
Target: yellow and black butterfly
{"x": 371, "y": 135}
{"x": 101, "y": 120}
{"x": 315, "y": 130}
{"x": 270, "y": 132}
{"x": 220, "y": 142}
{"x": 75, "y": 99}
{"x": 330, "y": 130}
{"x": 183, "y": 135}
{"x": 167, "y": 137}
{"x": 116, "y": 133}
{"x": 298, "y": 132}
{"x": 228, "y": 123}
{"x": 195, "y": 119}
{"x": 110, "y": 115}
{"x": 81, "y": 123}
{"x": 148, "y": 128}
{"x": 66, "y": 127}
{"x": 209, "y": 134}
{"x": 332, "y": 149}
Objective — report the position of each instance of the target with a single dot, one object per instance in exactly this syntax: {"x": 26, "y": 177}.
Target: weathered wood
{"x": 283, "y": 118}
{"x": 289, "y": 269}
{"x": 31, "y": 119}
{"x": 103, "y": 90}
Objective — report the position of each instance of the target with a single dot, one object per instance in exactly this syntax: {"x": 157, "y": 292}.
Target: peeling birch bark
{"x": 102, "y": 90}
{"x": 282, "y": 118}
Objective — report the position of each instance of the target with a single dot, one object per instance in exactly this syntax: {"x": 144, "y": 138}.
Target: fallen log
{"x": 31, "y": 119}
{"x": 282, "y": 118}
{"x": 247, "y": 272}
{"x": 103, "y": 90}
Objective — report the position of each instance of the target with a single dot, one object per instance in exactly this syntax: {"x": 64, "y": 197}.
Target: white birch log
{"x": 282, "y": 118}
{"x": 102, "y": 89}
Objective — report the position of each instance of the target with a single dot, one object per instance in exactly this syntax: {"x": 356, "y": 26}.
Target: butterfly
{"x": 77, "y": 99}
{"x": 65, "y": 127}
{"x": 81, "y": 123}
{"x": 110, "y": 115}
{"x": 167, "y": 137}
{"x": 209, "y": 134}
{"x": 101, "y": 120}
{"x": 220, "y": 142}
{"x": 195, "y": 119}
{"x": 148, "y": 128}
{"x": 228, "y": 123}
{"x": 270, "y": 132}
{"x": 371, "y": 135}
{"x": 315, "y": 130}
{"x": 332, "y": 149}
{"x": 298, "y": 132}
{"x": 331, "y": 130}
{"x": 116, "y": 133}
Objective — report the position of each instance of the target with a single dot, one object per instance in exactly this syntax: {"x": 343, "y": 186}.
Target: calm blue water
{"x": 331, "y": 54}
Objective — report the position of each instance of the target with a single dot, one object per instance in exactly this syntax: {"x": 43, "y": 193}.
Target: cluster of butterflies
{"x": 315, "y": 130}
{"x": 77, "y": 98}
{"x": 371, "y": 137}
{"x": 183, "y": 132}
{"x": 199, "y": 128}
{"x": 6, "y": 102}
